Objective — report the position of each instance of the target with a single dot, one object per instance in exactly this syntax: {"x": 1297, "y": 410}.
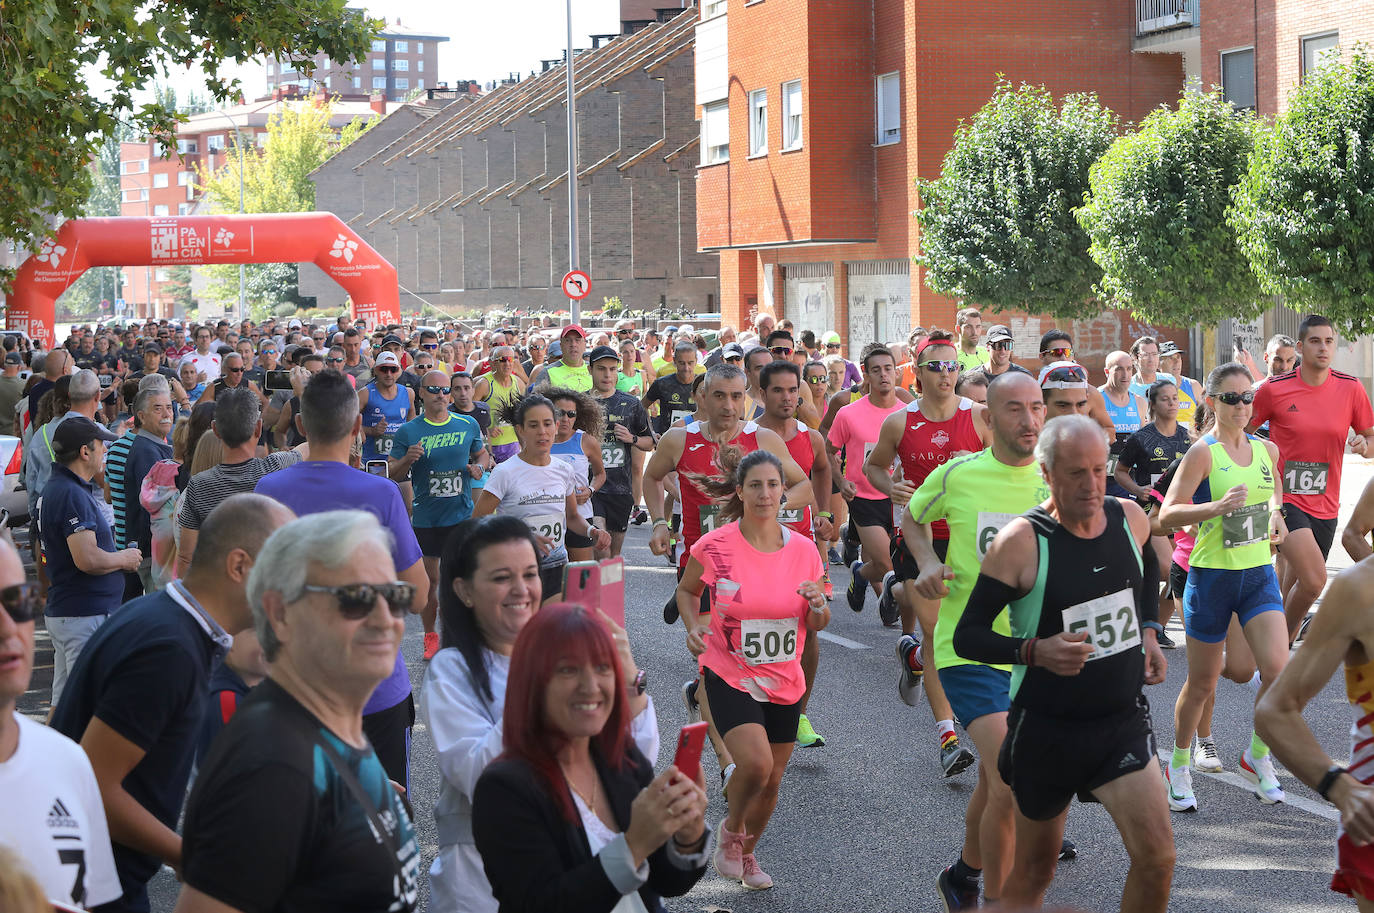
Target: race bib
{"x": 709, "y": 515}
{"x": 613, "y": 455}
{"x": 768, "y": 640}
{"x": 868, "y": 449}
{"x": 446, "y": 484}
{"x": 1111, "y": 464}
{"x": 791, "y": 516}
{"x": 684, "y": 415}
{"x": 989, "y": 525}
{"x": 1301, "y": 478}
{"x": 384, "y": 444}
{"x": 550, "y": 525}
{"x": 1246, "y": 526}
{"x": 1109, "y": 622}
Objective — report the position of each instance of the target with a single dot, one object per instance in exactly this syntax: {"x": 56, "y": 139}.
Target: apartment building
{"x": 401, "y": 62}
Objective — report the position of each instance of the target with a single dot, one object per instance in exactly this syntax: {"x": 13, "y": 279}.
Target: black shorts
{"x": 1324, "y": 531}
{"x": 1178, "y": 579}
{"x": 614, "y": 508}
{"x": 432, "y": 539}
{"x": 1047, "y": 760}
{"x": 904, "y": 566}
{"x": 731, "y": 707}
{"x": 871, "y": 512}
{"x": 389, "y": 732}
{"x": 576, "y": 540}
{"x": 551, "y": 578}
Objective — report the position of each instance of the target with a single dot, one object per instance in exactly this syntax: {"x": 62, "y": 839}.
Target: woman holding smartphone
{"x": 767, "y": 598}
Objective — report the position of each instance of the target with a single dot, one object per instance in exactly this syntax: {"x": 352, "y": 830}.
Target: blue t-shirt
{"x": 143, "y": 453}
{"x": 440, "y": 478}
{"x": 69, "y": 506}
{"x": 379, "y": 410}
{"x": 315, "y": 486}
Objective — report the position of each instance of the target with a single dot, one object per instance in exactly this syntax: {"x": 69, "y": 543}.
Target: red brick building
{"x": 818, "y": 117}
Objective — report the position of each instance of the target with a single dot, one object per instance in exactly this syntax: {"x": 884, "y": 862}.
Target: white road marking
{"x": 843, "y": 641}
{"x": 1302, "y": 803}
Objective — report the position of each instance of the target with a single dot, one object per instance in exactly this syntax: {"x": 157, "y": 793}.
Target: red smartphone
{"x": 687, "y": 758}
{"x": 613, "y": 589}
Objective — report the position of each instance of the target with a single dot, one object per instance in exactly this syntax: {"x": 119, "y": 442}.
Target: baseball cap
{"x": 572, "y": 328}
{"x": 389, "y": 338}
{"x": 831, "y": 339}
{"x": 387, "y": 358}
{"x": 1063, "y": 375}
{"x": 153, "y": 347}
{"x": 670, "y": 330}
{"x": 76, "y": 432}
{"x": 13, "y": 358}
{"x": 998, "y": 333}
{"x": 603, "y": 352}
{"x": 732, "y": 350}
{"x": 294, "y": 324}
{"x": 686, "y": 328}
{"x": 555, "y": 349}
{"x": 1170, "y": 348}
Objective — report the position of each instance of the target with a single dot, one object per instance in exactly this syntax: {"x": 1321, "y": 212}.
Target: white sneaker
{"x": 1205, "y": 757}
{"x": 1179, "y": 781}
{"x": 1259, "y": 773}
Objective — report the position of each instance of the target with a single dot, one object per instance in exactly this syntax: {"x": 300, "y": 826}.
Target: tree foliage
{"x": 1304, "y": 211}
{"x": 997, "y": 225}
{"x": 52, "y": 121}
{"x": 1157, "y": 216}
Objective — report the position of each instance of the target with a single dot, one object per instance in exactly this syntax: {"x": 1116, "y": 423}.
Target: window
{"x": 215, "y": 143}
{"x": 1238, "y": 77}
{"x": 187, "y": 146}
{"x": 136, "y": 166}
{"x": 1320, "y": 50}
{"x": 378, "y": 46}
{"x": 419, "y": 47}
{"x": 715, "y": 133}
{"x": 185, "y": 178}
{"x": 419, "y": 66}
{"x": 271, "y": 69}
{"x": 184, "y": 209}
{"x": 379, "y": 64}
{"x": 401, "y": 47}
{"x": 379, "y": 84}
{"x": 160, "y": 180}
{"x": 758, "y": 122}
{"x": 133, "y": 195}
{"x": 889, "y": 108}
{"x": 791, "y": 115}
{"x": 400, "y": 64}
{"x": 162, "y": 275}
{"x": 161, "y": 211}
{"x": 419, "y": 83}
{"x": 402, "y": 84}
{"x": 713, "y": 8}
{"x": 357, "y": 82}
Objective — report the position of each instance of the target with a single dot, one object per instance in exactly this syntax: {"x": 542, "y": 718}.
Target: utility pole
{"x": 573, "y": 259}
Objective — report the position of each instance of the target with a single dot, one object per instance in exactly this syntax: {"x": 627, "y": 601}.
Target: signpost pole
{"x": 573, "y": 263}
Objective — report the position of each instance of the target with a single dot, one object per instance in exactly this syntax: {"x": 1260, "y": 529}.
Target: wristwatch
{"x": 1332, "y": 775}
{"x": 638, "y": 684}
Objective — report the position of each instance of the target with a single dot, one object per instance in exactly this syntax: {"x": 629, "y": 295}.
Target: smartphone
{"x": 377, "y": 467}
{"x": 687, "y": 758}
{"x": 582, "y": 584}
{"x": 278, "y": 380}
{"x": 613, "y": 589}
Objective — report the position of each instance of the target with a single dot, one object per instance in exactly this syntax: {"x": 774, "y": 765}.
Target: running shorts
{"x": 871, "y": 512}
{"x": 614, "y": 509}
{"x": 551, "y": 578}
{"x": 731, "y": 707}
{"x": 1178, "y": 579}
{"x": 1048, "y": 760}
{"x": 432, "y": 539}
{"x": 1354, "y": 873}
{"x": 577, "y": 540}
{"x": 1324, "y": 531}
{"x": 1214, "y": 594}
{"x": 975, "y": 690}
{"x": 904, "y": 566}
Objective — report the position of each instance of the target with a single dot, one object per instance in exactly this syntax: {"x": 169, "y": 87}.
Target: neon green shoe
{"x": 806, "y": 736}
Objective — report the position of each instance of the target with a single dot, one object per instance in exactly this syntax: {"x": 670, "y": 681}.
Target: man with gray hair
{"x": 153, "y": 410}
{"x": 292, "y": 808}
{"x": 83, "y": 389}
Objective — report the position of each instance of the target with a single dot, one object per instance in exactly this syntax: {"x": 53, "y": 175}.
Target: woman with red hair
{"x": 571, "y": 817}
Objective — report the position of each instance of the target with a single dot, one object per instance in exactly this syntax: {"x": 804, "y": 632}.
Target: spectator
{"x": 153, "y": 408}
{"x": 11, "y": 390}
{"x": 136, "y": 701}
{"x": 55, "y": 365}
{"x": 292, "y": 809}
{"x": 52, "y": 804}
{"x": 204, "y": 358}
{"x": 38, "y": 458}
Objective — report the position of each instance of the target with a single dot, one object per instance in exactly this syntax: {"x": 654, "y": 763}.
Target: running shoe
{"x": 1259, "y": 773}
{"x": 729, "y": 854}
{"x": 1165, "y": 641}
{"x": 431, "y": 644}
{"x": 829, "y": 587}
{"x": 754, "y": 878}
{"x": 641, "y": 517}
{"x": 857, "y": 587}
{"x": 1179, "y": 780}
{"x": 1067, "y": 849}
{"x": 835, "y": 558}
{"x": 806, "y": 736}
{"x": 956, "y": 897}
{"x": 850, "y": 546}
{"x": 1302, "y": 629}
{"x": 689, "y": 699}
{"x": 888, "y": 612}
{"x": 955, "y": 758}
{"x": 909, "y": 679}
{"x": 672, "y": 553}
{"x": 1205, "y": 757}
{"x": 725, "y": 776}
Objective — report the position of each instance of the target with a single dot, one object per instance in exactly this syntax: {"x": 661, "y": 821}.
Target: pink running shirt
{"x": 855, "y": 431}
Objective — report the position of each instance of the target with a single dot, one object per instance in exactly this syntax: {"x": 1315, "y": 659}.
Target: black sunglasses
{"x": 1002, "y": 344}
{"x": 436, "y": 391}
{"x": 781, "y": 351}
{"x": 357, "y": 599}
{"x": 1232, "y": 399}
{"x": 21, "y": 602}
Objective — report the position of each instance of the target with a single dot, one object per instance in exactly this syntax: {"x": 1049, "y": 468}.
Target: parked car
{"x": 13, "y": 496}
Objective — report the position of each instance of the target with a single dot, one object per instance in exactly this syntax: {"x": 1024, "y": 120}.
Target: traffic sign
{"x": 577, "y": 285}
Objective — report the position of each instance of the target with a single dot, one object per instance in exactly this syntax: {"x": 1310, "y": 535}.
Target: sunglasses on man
{"x": 1060, "y": 353}
{"x": 22, "y": 602}
{"x": 356, "y": 600}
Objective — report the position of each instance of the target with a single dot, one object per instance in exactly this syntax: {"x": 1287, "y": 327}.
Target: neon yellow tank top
{"x": 1239, "y": 540}
{"x": 497, "y": 398}
{"x": 579, "y": 378}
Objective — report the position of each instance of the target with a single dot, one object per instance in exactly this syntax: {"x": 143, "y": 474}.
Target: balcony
{"x": 1153, "y": 16}
{"x": 1171, "y": 27}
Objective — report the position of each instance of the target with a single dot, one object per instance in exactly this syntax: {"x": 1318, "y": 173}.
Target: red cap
{"x": 573, "y": 328}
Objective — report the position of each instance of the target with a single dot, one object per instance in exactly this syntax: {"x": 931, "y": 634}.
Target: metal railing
{"x": 1161, "y": 15}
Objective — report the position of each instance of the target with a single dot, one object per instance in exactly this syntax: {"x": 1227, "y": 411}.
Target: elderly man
{"x": 292, "y": 809}
{"x": 570, "y": 370}
{"x": 153, "y": 409}
{"x": 137, "y": 699}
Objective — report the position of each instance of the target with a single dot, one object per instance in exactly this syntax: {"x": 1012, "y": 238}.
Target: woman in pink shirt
{"x": 766, "y": 597}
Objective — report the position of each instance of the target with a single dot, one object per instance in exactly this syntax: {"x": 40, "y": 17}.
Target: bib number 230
{"x": 768, "y": 640}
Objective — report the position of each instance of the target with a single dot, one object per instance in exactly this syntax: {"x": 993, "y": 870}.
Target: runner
{"x": 1127, "y": 410}
{"x": 765, "y": 588}
{"x": 855, "y": 432}
{"x": 1355, "y": 537}
{"x": 539, "y": 490}
{"x": 441, "y": 452}
{"x": 1079, "y": 723}
{"x": 969, "y": 323}
{"x": 627, "y": 433}
{"x": 578, "y": 443}
{"x": 1311, "y": 412}
{"x": 781, "y": 383}
{"x": 385, "y": 407}
{"x": 1189, "y": 390}
{"x": 999, "y": 354}
{"x": 1056, "y": 347}
{"x": 1227, "y": 486}
{"x": 497, "y": 389}
{"x": 1145, "y": 356}
{"x": 569, "y": 370}
{"x": 973, "y": 385}
{"x": 977, "y": 495}
{"x": 672, "y": 393}
{"x": 924, "y": 436}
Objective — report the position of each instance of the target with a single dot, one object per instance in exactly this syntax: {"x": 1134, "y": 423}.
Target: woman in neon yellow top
{"x": 499, "y": 388}
{"x": 1228, "y": 487}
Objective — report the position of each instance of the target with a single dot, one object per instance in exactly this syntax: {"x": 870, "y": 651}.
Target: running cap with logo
{"x": 390, "y": 338}
{"x": 601, "y": 353}
{"x": 1063, "y": 375}
{"x": 13, "y": 358}
{"x": 1170, "y": 348}
{"x": 732, "y": 350}
{"x": 294, "y": 324}
{"x": 999, "y": 333}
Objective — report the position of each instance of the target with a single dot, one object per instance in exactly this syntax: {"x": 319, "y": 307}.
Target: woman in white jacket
{"x": 488, "y": 589}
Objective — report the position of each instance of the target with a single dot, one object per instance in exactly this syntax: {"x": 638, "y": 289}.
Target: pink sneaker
{"x": 729, "y": 855}
{"x": 755, "y": 878}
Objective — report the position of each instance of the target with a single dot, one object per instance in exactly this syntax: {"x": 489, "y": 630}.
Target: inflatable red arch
{"x": 317, "y": 237}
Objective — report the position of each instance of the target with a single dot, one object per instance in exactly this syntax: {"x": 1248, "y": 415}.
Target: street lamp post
{"x": 238, "y": 144}
{"x": 572, "y": 167}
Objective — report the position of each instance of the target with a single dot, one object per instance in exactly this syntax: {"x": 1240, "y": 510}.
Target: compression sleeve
{"x": 1147, "y": 601}
{"x": 974, "y": 637}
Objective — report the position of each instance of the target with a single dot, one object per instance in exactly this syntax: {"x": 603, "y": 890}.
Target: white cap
{"x": 295, "y": 324}
{"x": 387, "y": 358}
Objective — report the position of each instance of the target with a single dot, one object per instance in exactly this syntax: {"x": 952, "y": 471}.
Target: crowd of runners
{"x": 230, "y": 523}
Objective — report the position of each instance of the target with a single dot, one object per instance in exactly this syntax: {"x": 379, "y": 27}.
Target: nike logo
{"x": 696, "y": 447}
{"x": 1098, "y": 570}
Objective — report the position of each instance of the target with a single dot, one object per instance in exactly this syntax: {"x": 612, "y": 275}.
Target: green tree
{"x": 1157, "y": 216}
{"x": 52, "y": 121}
{"x": 997, "y": 225}
{"x": 1304, "y": 211}
{"x": 83, "y": 297}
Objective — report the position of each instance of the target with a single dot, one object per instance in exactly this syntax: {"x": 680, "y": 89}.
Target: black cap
{"x": 390, "y": 338}
{"x": 13, "y": 358}
{"x": 602, "y": 352}
{"x": 998, "y": 332}
{"x": 153, "y": 347}
{"x": 75, "y": 433}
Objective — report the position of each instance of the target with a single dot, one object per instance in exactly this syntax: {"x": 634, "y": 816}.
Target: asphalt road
{"x": 867, "y": 823}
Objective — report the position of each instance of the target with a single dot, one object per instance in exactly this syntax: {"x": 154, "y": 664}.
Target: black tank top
{"x": 1091, "y": 585}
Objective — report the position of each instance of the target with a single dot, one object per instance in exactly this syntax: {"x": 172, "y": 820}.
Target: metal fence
{"x": 1159, "y": 15}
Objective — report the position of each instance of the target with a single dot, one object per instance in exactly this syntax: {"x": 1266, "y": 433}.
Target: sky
{"x": 487, "y": 40}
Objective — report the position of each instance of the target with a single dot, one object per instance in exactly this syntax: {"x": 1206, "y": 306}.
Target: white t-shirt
{"x": 208, "y": 363}
{"x": 538, "y": 495}
{"x": 53, "y": 817}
